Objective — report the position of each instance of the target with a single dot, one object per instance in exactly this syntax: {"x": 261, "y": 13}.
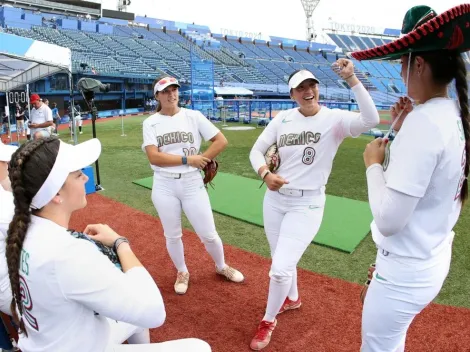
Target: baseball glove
{"x": 272, "y": 158}
{"x": 109, "y": 252}
{"x": 370, "y": 272}
{"x": 210, "y": 171}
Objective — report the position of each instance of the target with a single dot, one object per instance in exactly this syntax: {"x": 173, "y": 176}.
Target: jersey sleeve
{"x": 88, "y": 277}
{"x": 269, "y": 134}
{"x": 49, "y": 114}
{"x": 149, "y": 136}
{"x": 353, "y": 123}
{"x": 205, "y": 127}
{"x": 414, "y": 155}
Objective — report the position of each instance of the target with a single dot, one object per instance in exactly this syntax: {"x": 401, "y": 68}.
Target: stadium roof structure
{"x": 232, "y": 91}
{"x": 24, "y": 60}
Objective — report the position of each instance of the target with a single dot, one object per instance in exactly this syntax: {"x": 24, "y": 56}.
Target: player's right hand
{"x": 403, "y": 104}
{"x": 198, "y": 161}
{"x": 102, "y": 233}
{"x": 274, "y": 182}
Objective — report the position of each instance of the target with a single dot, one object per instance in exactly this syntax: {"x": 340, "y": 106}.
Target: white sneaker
{"x": 182, "y": 282}
{"x": 230, "y": 273}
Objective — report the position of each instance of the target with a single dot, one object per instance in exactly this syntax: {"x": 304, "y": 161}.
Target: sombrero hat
{"x": 424, "y": 30}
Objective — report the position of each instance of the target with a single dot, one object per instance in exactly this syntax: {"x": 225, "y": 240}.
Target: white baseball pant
{"x": 170, "y": 195}
{"x": 291, "y": 223}
{"x": 400, "y": 289}
{"x": 139, "y": 341}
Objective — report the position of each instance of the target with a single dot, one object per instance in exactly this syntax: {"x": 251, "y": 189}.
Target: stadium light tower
{"x": 309, "y": 7}
{"x": 122, "y": 5}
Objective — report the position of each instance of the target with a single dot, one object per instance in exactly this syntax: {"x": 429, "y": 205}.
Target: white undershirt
{"x": 391, "y": 209}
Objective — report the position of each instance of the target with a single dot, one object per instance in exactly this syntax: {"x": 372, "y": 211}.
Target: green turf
{"x": 123, "y": 161}
{"x": 241, "y": 198}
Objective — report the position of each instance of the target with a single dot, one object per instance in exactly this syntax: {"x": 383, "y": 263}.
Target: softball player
{"x": 67, "y": 294}
{"x": 417, "y": 194}
{"x": 171, "y": 139}
{"x": 77, "y": 118}
{"x": 308, "y": 139}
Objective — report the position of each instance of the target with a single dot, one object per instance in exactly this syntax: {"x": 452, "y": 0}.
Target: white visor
{"x": 301, "y": 76}
{"x": 165, "y": 82}
{"x": 6, "y": 151}
{"x": 69, "y": 159}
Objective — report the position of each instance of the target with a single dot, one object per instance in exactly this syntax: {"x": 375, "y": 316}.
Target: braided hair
{"x": 29, "y": 167}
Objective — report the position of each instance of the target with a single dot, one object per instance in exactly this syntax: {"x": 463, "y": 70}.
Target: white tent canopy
{"x": 232, "y": 91}
{"x": 25, "y": 60}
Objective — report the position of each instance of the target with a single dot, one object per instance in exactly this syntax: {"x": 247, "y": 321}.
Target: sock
{"x": 142, "y": 337}
{"x": 216, "y": 250}
{"x": 294, "y": 291}
{"x": 176, "y": 251}
{"x": 278, "y": 289}
{"x": 80, "y": 128}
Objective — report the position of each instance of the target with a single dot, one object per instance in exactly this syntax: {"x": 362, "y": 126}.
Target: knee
{"x": 209, "y": 238}
{"x": 173, "y": 238}
{"x": 280, "y": 277}
{"x": 37, "y": 135}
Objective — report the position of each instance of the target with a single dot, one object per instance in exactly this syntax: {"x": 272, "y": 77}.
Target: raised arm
{"x": 356, "y": 123}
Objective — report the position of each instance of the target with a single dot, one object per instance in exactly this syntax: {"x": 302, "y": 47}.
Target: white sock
{"x": 294, "y": 290}
{"x": 176, "y": 251}
{"x": 278, "y": 289}
{"x": 216, "y": 250}
{"x": 142, "y": 337}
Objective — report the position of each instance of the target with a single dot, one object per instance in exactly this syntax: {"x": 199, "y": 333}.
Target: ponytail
{"x": 461, "y": 86}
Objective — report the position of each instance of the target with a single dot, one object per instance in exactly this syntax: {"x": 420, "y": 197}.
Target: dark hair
{"x": 29, "y": 167}
{"x": 447, "y": 66}
{"x": 292, "y": 74}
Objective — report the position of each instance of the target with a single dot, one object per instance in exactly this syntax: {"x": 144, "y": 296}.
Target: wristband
{"x": 118, "y": 242}
{"x": 185, "y": 160}
{"x": 265, "y": 173}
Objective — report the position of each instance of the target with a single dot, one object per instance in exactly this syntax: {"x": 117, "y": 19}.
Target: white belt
{"x": 298, "y": 192}
{"x": 176, "y": 175}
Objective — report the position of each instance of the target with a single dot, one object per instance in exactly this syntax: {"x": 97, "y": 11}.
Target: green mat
{"x": 345, "y": 222}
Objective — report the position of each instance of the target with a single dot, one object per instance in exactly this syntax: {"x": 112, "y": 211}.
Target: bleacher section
{"x": 110, "y": 48}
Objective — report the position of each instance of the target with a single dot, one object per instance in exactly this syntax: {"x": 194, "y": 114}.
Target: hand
{"x": 403, "y": 104}
{"x": 274, "y": 182}
{"x": 344, "y": 68}
{"x": 32, "y": 125}
{"x": 198, "y": 161}
{"x": 375, "y": 152}
{"x": 102, "y": 233}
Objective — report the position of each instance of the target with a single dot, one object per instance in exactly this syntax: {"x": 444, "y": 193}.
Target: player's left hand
{"x": 344, "y": 68}
{"x": 375, "y": 152}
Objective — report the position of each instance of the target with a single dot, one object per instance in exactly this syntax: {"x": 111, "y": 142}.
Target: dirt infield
{"x": 226, "y": 314}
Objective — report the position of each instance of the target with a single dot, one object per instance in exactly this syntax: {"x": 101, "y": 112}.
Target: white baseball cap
{"x": 301, "y": 76}
{"x": 69, "y": 159}
{"x": 165, "y": 82}
{"x": 6, "y": 151}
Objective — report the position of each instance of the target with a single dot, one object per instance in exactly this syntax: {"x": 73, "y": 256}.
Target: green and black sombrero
{"x": 424, "y": 30}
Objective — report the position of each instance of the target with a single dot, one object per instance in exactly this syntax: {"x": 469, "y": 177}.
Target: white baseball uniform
{"x": 41, "y": 115}
{"x": 7, "y": 210}
{"x": 415, "y": 201}
{"x": 181, "y": 187}
{"x": 72, "y": 294}
{"x": 292, "y": 215}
